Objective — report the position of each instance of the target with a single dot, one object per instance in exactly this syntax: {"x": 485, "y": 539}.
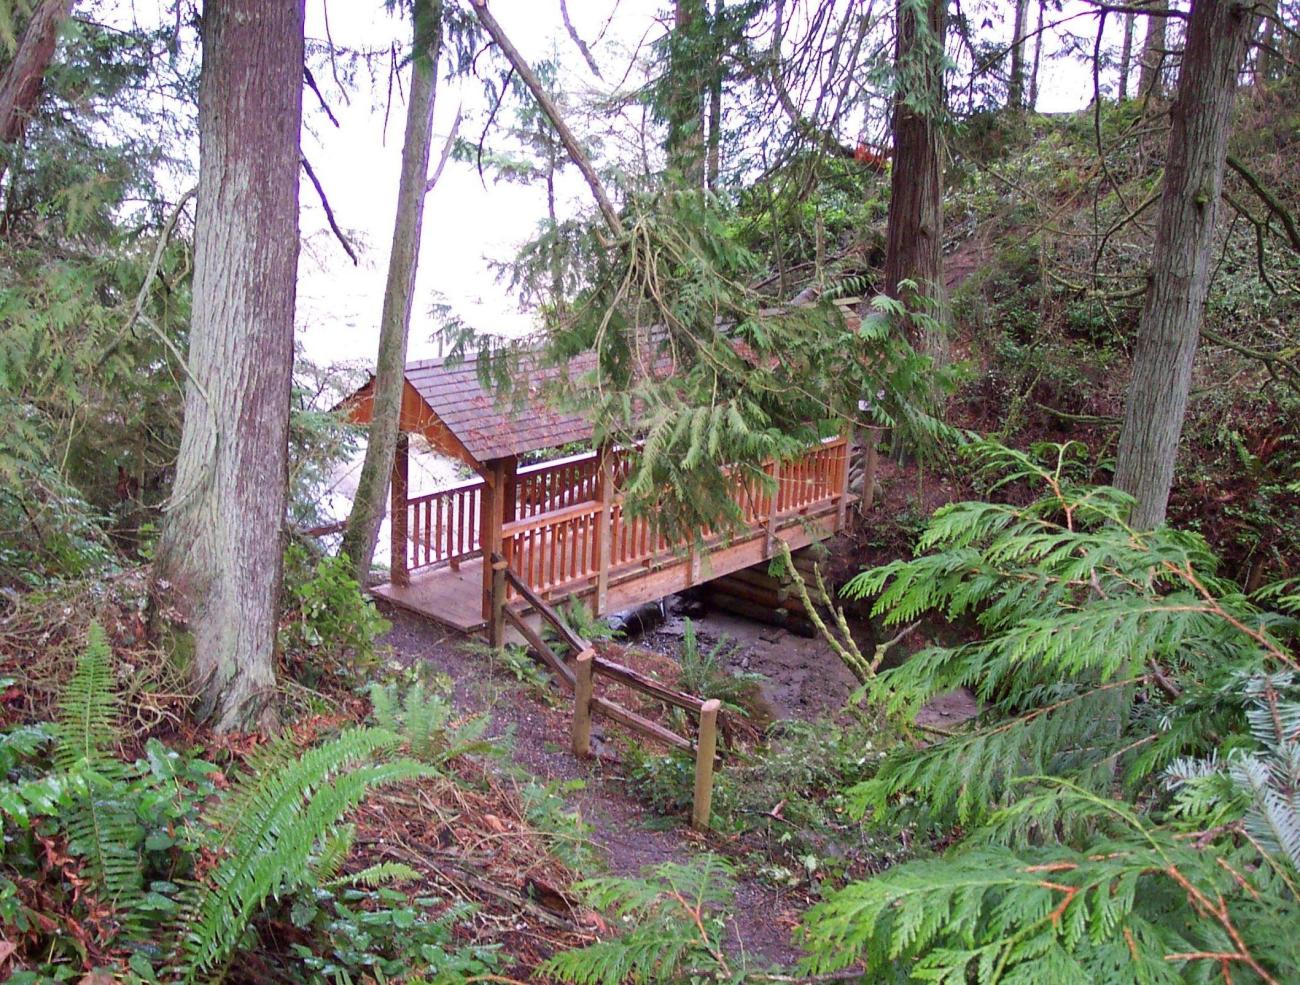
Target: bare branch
{"x": 329, "y": 212}
{"x": 552, "y": 112}
{"x": 446, "y": 151}
{"x": 577, "y": 40}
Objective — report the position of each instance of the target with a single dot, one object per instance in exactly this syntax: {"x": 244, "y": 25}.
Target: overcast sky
{"x": 358, "y": 163}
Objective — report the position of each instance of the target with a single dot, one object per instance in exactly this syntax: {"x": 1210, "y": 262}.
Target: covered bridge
{"x": 560, "y": 523}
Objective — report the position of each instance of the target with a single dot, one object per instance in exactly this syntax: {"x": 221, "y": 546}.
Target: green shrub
{"x": 329, "y": 628}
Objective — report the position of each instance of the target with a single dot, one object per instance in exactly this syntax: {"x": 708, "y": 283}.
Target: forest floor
{"x": 803, "y": 681}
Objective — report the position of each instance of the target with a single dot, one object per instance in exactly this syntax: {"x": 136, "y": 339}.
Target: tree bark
{"x": 20, "y": 86}
{"x": 914, "y": 237}
{"x": 1126, "y": 56}
{"x": 1038, "y": 57}
{"x": 1153, "y": 51}
{"x": 1016, "y": 82}
{"x": 686, "y": 124}
{"x": 220, "y": 548}
{"x": 399, "y": 292}
{"x": 1170, "y": 324}
{"x": 715, "y": 113}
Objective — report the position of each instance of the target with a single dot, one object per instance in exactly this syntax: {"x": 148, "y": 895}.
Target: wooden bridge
{"x": 560, "y": 525}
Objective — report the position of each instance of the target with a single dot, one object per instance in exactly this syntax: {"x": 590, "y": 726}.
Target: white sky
{"x": 358, "y": 164}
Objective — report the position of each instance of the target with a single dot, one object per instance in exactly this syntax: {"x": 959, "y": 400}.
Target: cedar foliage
{"x": 1126, "y": 804}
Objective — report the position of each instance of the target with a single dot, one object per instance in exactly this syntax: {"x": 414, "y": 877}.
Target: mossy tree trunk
{"x": 399, "y": 292}
{"x": 914, "y": 237}
{"x": 1170, "y": 325}
{"x": 220, "y": 549}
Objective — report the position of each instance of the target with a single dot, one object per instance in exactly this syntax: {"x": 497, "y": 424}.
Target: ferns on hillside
{"x": 273, "y": 823}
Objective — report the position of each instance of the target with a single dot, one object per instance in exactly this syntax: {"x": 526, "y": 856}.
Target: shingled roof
{"x": 487, "y": 427}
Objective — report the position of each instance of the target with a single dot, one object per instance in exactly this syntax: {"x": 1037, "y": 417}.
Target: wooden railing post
{"x": 490, "y": 513}
{"x": 769, "y": 544}
{"x": 582, "y": 704}
{"x": 604, "y": 531}
{"x": 400, "y": 572}
{"x": 842, "y": 478}
{"x": 497, "y": 622}
{"x": 706, "y": 747}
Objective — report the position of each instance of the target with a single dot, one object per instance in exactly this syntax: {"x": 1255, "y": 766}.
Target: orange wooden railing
{"x": 553, "y": 485}
{"x": 444, "y": 527}
{"x": 555, "y": 539}
{"x": 562, "y": 548}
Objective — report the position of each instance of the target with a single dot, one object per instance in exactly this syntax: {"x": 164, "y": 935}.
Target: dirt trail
{"x": 762, "y": 918}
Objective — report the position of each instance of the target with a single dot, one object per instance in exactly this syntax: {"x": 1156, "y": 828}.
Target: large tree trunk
{"x": 715, "y": 112}
{"x": 686, "y": 124}
{"x": 1016, "y": 83}
{"x": 390, "y": 366}
{"x": 20, "y": 85}
{"x": 1126, "y": 56}
{"x": 1170, "y": 325}
{"x": 1038, "y": 57}
{"x": 914, "y": 238}
{"x": 220, "y": 548}
{"x": 1153, "y": 51}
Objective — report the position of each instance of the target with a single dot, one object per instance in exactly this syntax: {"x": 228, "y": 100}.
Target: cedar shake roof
{"x": 491, "y": 429}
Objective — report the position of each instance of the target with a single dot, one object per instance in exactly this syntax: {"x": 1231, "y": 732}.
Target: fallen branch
{"x": 552, "y": 112}
{"x": 329, "y": 212}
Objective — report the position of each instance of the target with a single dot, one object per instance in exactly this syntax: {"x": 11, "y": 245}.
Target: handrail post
{"x": 497, "y": 623}
{"x": 706, "y": 747}
{"x": 842, "y": 478}
{"x": 582, "y": 690}
{"x": 604, "y": 531}
{"x": 400, "y": 572}
{"x": 769, "y": 545}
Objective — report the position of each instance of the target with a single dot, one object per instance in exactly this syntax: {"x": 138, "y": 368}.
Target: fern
{"x": 273, "y": 823}
{"x": 426, "y": 721}
{"x": 102, "y": 826}
{"x": 676, "y": 927}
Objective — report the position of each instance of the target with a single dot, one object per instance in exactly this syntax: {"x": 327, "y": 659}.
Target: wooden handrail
{"x": 447, "y": 490}
{"x": 548, "y": 519}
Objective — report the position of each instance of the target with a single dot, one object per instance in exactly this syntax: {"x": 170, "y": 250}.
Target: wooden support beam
{"x": 842, "y": 479}
{"x": 490, "y": 522}
{"x": 705, "y": 749}
{"x": 651, "y": 730}
{"x": 400, "y": 573}
{"x": 582, "y": 704}
{"x": 497, "y": 620}
{"x": 538, "y": 646}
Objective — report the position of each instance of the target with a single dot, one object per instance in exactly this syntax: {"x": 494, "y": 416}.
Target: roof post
{"x": 490, "y": 533}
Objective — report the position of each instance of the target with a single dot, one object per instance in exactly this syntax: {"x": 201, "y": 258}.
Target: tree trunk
{"x": 1153, "y": 51}
{"x": 1016, "y": 83}
{"x": 1126, "y": 56}
{"x": 686, "y": 150}
{"x": 914, "y": 238}
{"x": 399, "y": 292}
{"x": 1038, "y": 57}
{"x": 715, "y": 112}
{"x": 1170, "y": 326}
{"x": 220, "y": 548}
{"x": 20, "y": 86}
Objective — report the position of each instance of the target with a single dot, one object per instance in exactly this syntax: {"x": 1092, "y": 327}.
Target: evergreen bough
{"x": 1126, "y": 803}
